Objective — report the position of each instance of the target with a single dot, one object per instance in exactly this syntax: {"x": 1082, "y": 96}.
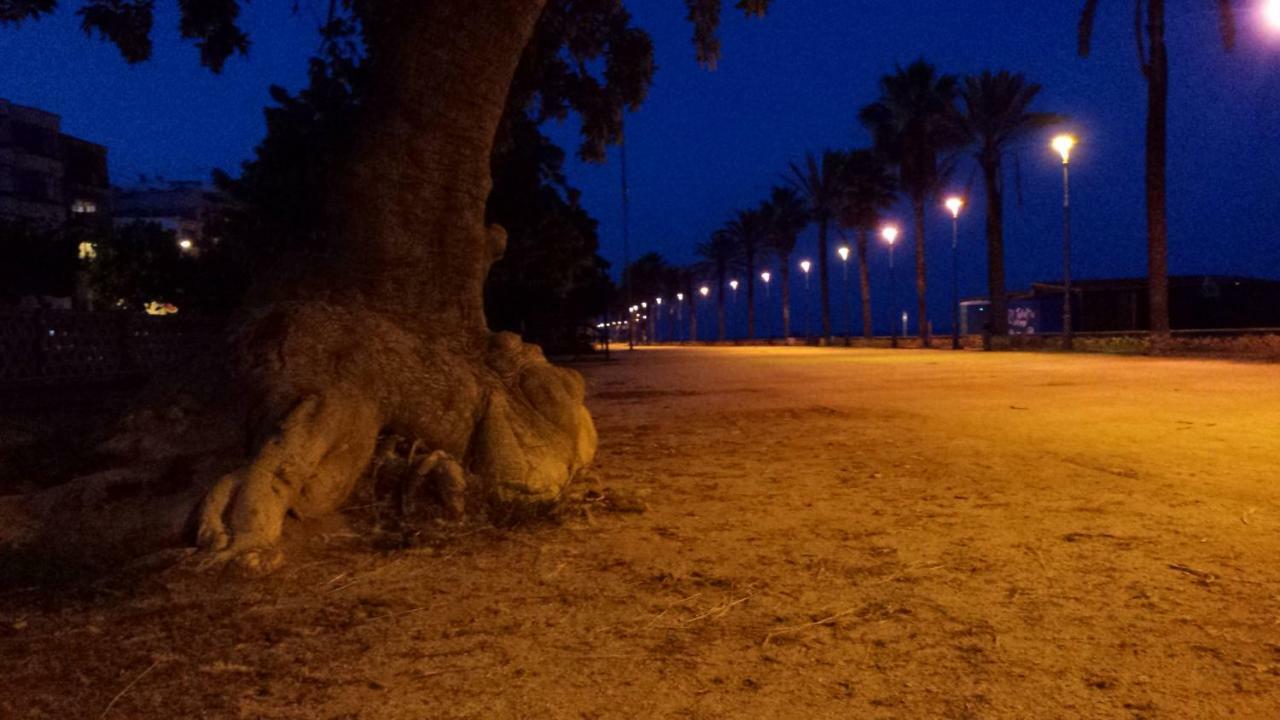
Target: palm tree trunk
{"x": 692, "y": 293}
{"x": 751, "y": 296}
{"x": 922, "y": 319}
{"x": 784, "y": 279}
{"x": 823, "y": 280}
{"x": 995, "y": 249}
{"x": 720, "y": 275}
{"x": 1157, "y": 140}
{"x": 864, "y": 283}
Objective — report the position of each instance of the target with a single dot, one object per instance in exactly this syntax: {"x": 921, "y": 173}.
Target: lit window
{"x": 84, "y": 207}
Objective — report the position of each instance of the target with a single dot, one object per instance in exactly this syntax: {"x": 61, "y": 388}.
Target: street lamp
{"x": 733, "y": 285}
{"x": 679, "y": 314}
{"x": 185, "y": 245}
{"x": 805, "y": 265}
{"x": 1063, "y": 145}
{"x": 954, "y": 204}
{"x": 890, "y": 235}
{"x": 1271, "y": 13}
{"x": 843, "y": 252}
{"x": 765, "y": 277}
{"x": 704, "y": 291}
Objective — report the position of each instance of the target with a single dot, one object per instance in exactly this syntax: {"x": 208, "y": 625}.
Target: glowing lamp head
{"x": 657, "y": 301}
{"x": 765, "y": 276}
{"x": 843, "y": 252}
{"x": 954, "y": 204}
{"x": 1271, "y": 14}
{"x": 1063, "y": 145}
{"x": 733, "y": 285}
{"x": 679, "y": 297}
{"x": 644, "y": 305}
{"x": 890, "y": 234}
{"x": 186, "y": 244}
{"x": 704, "y": 291}
{"x": 805, "y": 265}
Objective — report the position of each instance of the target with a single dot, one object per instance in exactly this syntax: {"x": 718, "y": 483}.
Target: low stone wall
{"x": 67, "y": 346}
{"x": 1257, "y": 345}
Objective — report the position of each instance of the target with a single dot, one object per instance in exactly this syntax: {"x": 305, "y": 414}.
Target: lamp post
{"x": 843, "y": 252}
{"x": 954, "y": 204}
{"x": 765, "y": 277}
{"x": 704, "y": 291}
{"x": 657, "y": 318}
{"x": 890, "y": 235}
{"x": 679, "y": 314}
{"x": 1063, "y": 144}
{"x": 805, "y": 266}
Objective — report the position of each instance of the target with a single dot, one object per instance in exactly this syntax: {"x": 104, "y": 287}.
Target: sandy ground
{"x": 828, "y": 534}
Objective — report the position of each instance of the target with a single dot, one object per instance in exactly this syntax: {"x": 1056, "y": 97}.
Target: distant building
{"x": 188, "y": 208}
{"x": 48, "y": 178}
{"x": 1196, "y": 302}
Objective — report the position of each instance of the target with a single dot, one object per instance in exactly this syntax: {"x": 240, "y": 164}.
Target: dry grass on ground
{"x": 825, "y": 534}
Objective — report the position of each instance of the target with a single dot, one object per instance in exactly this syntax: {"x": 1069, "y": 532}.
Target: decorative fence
{"x": 53, "y": 346}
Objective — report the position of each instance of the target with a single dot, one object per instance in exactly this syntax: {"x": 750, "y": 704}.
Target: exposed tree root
{"x": 493, "y": 423}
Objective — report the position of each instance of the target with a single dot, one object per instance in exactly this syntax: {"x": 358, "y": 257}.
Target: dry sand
{"x": 828, "y": 534}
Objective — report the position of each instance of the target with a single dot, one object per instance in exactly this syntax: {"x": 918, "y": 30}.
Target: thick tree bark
{"x": 823, "y": 279}
{"x": 995, "y": 248}
{"x": 864, "y": 283}
{"x": 1157, "y": 141}
{"x": 922, "y": 319}
{"x": 385, "y": 334}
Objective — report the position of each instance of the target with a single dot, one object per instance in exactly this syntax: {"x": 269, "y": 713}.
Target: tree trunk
{"x": 922, "y": 319}
{"x": 692, "y": 292}
{"x": 1157, "y": 139}
{"x": 386, "y": 333}
{"x": 751, "y": 296}
{"x": 720, "y": 279}
{"x": 995, "y": 248}
{"x": 784, "y": 280}
{"x": 864, "y": 283}
{"x": 823, "y": 281}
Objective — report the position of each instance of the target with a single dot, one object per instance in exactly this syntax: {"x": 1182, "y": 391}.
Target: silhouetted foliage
{"x": 913, "y": 126}
{"x": 35, "y": 262}
{"x": 549, "y": 282}
{"x": 995, "y": 117}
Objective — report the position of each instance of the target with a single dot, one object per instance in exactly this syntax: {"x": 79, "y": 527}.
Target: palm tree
{"x": 786, "y": 216}
{"x": 686, "y": 282}
{"x": 749, "y": 233}
{"x": 719, "y": 256}
{"x": 1153, "y": 60}
{"x": 994, "y": 117}
{"x": 913, "y": 127}
{"x": 650, "y": 276}
{"x": 819, "y": 182}
{"x": 870, "y": 189}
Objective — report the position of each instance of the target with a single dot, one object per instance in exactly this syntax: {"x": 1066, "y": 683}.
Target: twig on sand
{"x": 718, "y": 611}
{"x": 1205, "y": 576}
{"x": 804, "y": 626}
{"x": 126, "y": 689}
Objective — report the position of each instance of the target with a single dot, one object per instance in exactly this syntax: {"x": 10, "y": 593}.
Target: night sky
{"x": 707, "y": 143}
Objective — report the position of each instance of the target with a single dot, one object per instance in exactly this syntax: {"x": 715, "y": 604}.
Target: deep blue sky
{"x": 707, "y": 143}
